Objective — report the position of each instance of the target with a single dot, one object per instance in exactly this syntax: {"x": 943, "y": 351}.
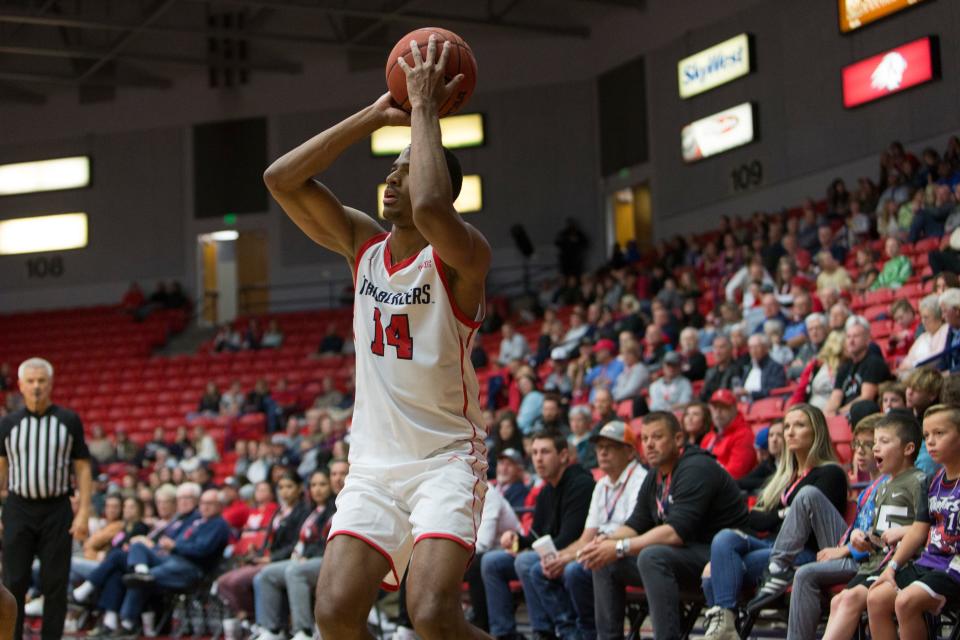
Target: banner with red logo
{"x": 889, "y": 72}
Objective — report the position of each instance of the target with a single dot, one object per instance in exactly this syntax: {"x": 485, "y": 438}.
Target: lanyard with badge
{"x": 785, "y": 496}
{"x": 616, "y": 498}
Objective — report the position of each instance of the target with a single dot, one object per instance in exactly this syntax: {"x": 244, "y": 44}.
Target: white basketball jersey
{"x": 417, "y": 393}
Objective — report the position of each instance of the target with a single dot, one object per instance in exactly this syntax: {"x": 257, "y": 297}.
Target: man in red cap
{"x": 607, "y": 369}
{"x": 732, "y": 440}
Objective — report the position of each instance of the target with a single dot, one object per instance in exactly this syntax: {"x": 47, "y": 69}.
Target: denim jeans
{"x": 497, "y": 569}
{"x": 578, "y": 581}
{"x": 169, "y": 572}
{"x": 548, "y": 602}
{"x": 734, "y": 556}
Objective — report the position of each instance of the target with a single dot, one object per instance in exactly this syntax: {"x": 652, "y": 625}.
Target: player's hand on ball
{"x": 393, "y": 116}
{"x": 425, "y": 79}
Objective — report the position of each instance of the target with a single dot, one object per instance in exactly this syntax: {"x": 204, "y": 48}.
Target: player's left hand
{"x": 80, "y": 529}
{"x": 425, "y": 79}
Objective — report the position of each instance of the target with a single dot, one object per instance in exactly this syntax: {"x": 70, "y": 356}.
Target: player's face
{"x": 396, "y": 197}
{"x": 942, "y": 438}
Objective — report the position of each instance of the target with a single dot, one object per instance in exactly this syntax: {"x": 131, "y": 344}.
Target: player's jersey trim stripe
{"x": 457, "y": 311}
{"x": 363, "y": 249}
{"x": 388, "y": 259}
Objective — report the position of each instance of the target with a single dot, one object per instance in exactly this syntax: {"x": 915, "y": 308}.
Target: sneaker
{"x": 34, "y": 608}
{"x": 122, "y": 633}
{"x": 138, "y": 579}
{"x": 304, "y": 635}
{"x": 266, "y": 634}
{"x": 771, "y": 587}
{"x": 720, "y": 624}
{"x": 101, "y": 631}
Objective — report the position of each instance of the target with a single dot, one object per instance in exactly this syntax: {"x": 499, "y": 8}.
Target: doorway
{"x": 233, "y": 274}
{"x": 632, "y": 215}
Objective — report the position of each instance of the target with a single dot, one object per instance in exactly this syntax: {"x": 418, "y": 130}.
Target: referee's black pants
{"x": 38, "y": 528}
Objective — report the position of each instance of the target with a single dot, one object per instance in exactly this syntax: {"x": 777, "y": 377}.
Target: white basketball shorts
{"x": 392, "y": 508}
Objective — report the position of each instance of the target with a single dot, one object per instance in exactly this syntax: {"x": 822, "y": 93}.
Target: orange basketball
{"x": 459, "y": 60}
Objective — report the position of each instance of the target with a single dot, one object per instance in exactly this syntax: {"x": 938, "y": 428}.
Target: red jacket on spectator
{"x": 255, "y": 529}
{"x": 734, "y": 449}
{"x": 236, "y": 514}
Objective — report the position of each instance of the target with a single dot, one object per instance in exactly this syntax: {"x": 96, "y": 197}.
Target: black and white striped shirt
{"x": 40, "y": 450}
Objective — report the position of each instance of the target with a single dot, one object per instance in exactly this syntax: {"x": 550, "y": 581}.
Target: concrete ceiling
{"x": 97, "y": 47}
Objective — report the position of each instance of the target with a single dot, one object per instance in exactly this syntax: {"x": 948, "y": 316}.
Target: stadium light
{"x": 227, "y": 235}
{"x": 43, "y": 233}
{"x": 457, "y": 132}
{"x": 44, "y": 175}
{"x": 469, "y": 200}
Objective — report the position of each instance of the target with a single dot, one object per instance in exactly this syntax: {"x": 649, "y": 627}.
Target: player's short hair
{"x": 559, "y": 440}
{"x": 905, "y": 425}
{"x": 666, "y": 417}
{"x": 925, "y": 379}
{"x": 34, "y": 363}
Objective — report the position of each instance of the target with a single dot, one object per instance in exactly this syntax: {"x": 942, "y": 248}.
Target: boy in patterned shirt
{"x": 933, "y": 581}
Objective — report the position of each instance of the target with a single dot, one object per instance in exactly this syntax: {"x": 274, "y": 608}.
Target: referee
{"x": 39, "y": 447}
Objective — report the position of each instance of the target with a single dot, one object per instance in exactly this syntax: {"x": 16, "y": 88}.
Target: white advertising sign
{"x": 715, "y": 66}
{"x": 718, "y": 133}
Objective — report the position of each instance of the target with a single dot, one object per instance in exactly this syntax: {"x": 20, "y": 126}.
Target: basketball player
{"x": 417, "y": 460}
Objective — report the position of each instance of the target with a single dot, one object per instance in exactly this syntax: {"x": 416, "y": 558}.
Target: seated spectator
{"x": 763, "y": 374}
{"x": 694, "y": 364}
{"x": 608, "y": 368}
{"x": 769, "y": 446}
{"x": 929, "y": 222}
{"x": 126, "y": 450}
{"x": 819, "y": 377}
{"x": 832, "y": 274}
{"x": 769, "y": 310}
{"x": 235, "y": 509}
{"x": 697, "y": 422}
{"x": 256, "y": 529}
{"x": 950, "y": 310}
{"x": 332, "y": 342}
{"x": 780, "y": 352}
{"x": 816, "y": 331}
{"x": 176, "y": 510}
{"x": 562, "y": 580}
{"x": 177, "y": 564}
{"x": 666, "y": 322}
{"x": 330, "y": 397}
{"x": 558, "y": 381}
{"x": 152, "y": 448}
{"x": 839, "y": 314}
{"x": 671, "y": 391}
{"x": 236, "y": 586}
{"x": 258, "y": 400}
{"x": 204, "y": 445}
{"x": 252, "y": 335}
{"x": 603, "y": 409}
{"x": 510, "y": 478}
{"x": 580, "y": 433}
{"x": 807, "y": 470}
{"x": 550, "y": 339}
{"x": 561, "y": 511}
{"x": 665, "y": 542}
{"x": 551, "y": 416}
{"x": 507, "y": 435}
{"x": 634, "y": 376}
{"x": 827, "y": 241}
{"x": 866, "y": 270}
{"x": 893, "y": 395}
{"x": 133, "y": 299}
{"x": 691, "y": 315}
{"x": 95, "y": 547}
{"x": 904, "y": 331}
{"x": 513, "y": 346}
{"x": 531, "y": 403}
{"x": 578, "y": 330}
{"x": 740, "y": 282}
{"x": 232, "y": 400}
{"x": 297, "y": 575}
{"x": 896, "y": 270}
{"x": 177, "y": 299}
{"x": 654, "y": 347}
{"x": 858, "y": 377}
{"x": 731, "y": 440}
{"x": 925, "y": 388}
{"x": 228, "y": 339}
{"x": 99, "y": 444}
{"x": 272, "y": 337}
{"x": 721, "y": 375}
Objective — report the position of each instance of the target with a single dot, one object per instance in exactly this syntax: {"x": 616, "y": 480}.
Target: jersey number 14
{"x": 397, "y": 335}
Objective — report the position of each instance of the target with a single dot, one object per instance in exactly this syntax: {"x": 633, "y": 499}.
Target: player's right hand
{"x": 391, "y": 113}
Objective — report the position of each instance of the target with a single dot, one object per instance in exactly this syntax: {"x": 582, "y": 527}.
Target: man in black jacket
{"x": 560, "y": 512}
{"x": 723, "y": 372}
{"x": 685, "y": 499}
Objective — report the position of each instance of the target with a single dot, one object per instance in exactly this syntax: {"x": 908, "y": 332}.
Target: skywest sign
{"x": 710, "y": 68}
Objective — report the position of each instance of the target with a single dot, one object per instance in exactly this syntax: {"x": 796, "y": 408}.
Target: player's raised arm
{"x": 310, "y": 204}
{"x": 458, "y": 243}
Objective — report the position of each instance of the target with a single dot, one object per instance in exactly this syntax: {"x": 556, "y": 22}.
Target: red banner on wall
{"x": 888, "y": 72}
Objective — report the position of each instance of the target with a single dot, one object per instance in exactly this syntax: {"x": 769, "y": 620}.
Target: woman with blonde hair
{"x": 808, "y": 462}
{"x": 819, "y": 376}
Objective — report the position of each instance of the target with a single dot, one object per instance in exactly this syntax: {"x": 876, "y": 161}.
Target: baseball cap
{"x": 762, "y": 439}
{"x": 723, "y": 396}
{"x": 617, "y": 431}
{"x": 604, "y": 344}
{"x": 511, "y": 454}
{"x": 558, "y": 353}
{"x": 672, "y": 358}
